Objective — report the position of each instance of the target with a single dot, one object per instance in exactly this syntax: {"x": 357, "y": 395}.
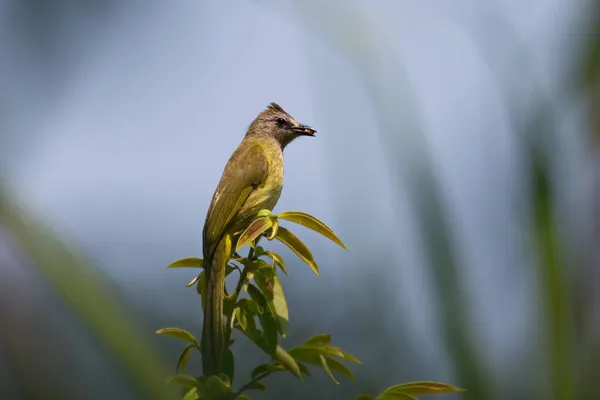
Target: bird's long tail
{"x": 213, "y": 340}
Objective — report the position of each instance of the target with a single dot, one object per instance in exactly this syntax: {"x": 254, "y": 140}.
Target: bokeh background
{"x": 457, "y": 156}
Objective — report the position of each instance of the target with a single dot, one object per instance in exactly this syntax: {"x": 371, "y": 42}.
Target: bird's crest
{"x": 275, "y": 107}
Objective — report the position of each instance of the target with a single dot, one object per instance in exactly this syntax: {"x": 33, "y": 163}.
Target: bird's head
{"x": 280, "y": 125}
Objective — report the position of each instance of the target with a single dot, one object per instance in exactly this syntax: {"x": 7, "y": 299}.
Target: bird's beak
{"x": 304, "y": 130}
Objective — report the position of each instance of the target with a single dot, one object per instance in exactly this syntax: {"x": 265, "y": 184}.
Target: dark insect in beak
{"x": 304, "y": 130}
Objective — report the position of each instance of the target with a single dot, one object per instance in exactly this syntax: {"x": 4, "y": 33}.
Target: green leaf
{"x": 319, "y": 340}
{"x": 254, "y": 230}
{"x": 281, "y": 309}
{"x": 322, "y": 343}
{"x": 258, "y": 251}
{"x": 189, "y": 262}
{"x": 229, "y": 268}
{"x": 228, "y": 305}
{"x": 258, "y": 265}
{"x": 273, "y": 292}
{"x": 290, "y": 240}
{"x": 419, "y": 388}
{"x": 191, "y": 394}
{"x": 327, "y": 370}
{"x": 277, "y": 260}
{"x": 312, "y": 355}
{"x": 256, "y": 336}
{"x": 243, "y": 397}
{"x": 396, "y": 396}
{"x": 337, "y": 366}
{"x": 257, "y": 296}
{"x": 261, "y": 369}
{"x": 216, "y": 387}
{"x": 184, "y": 357}
{"x": 249, "y": 305}
{"x": 267, "y": 320}
{"x": 288, "y": 362}
{"x": 339, "y": 353}
{"x": 196, "y": 279}
{"x": 311, "y": 222}
{"x": 184, "y": 381}
{"x": 240, "y": 316}
{"x": 303, "y": 369}
{"x": 228, "y": 363}
{"x": 179, "y": 334}
{"x": 256, "y": 386}
{"x": 274, "y": 229}
{"x": 248, "y": 309}
{"x": 269, "y": 327}
{"x": 264, "y": 213}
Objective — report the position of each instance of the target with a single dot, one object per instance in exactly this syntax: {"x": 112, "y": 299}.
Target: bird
{"x": 251, "y": 181}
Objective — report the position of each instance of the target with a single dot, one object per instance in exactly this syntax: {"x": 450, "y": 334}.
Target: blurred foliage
{"x": 88, "y": 294}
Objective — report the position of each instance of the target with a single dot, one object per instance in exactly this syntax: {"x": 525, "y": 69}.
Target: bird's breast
{"x": 267, "y": 194}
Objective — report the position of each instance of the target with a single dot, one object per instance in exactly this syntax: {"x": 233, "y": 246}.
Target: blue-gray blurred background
{"x": 457, "y": 156}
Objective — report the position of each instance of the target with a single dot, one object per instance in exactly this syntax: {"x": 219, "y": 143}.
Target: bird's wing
{"x": 246, "y": 169}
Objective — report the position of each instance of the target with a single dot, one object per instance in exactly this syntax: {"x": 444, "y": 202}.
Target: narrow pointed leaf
{"x": 277, "y": 260}
{"x": 319, "y": 340}
{"x": 257, "y": 296}
{"x": 267, "y": 320}
{"x": 327, "y": 370}
{"x": 192, "y": 394}
{"x": 263, "y": 368}
{"x": 249, "y": 305}
{"x": 303, "y": 369}
{"x": 290, "y": 240}
{"x": 269, "y": 327}
{"x": 184, "y": 358}
{"x": 272, "y": 290}
{"x": 179, "y": 334}
{"x": 311, "y": 355}
{"x": 419, "y": 388}
{"x": 264, "y": 213}
{"x": 274, "y": 229}
{"x": 185, "y": 381}
{"x": 256, "y": 228}
{"x": 365, "y": 397}
{"x": 196, "y": 279}
{"x": 258, "y": 251}
{"x": 313, "y": 223}
{"x": 339, "y": 353}
{"x": 189, "y": 262}
{"x": 396, "y": 396}
{"x": 288, "y": 362}
{"x": 240, "y": 317}
{"x": 280, "y": 305}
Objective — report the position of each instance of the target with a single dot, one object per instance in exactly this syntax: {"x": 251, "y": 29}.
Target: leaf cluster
{"x": 258, "y": 310}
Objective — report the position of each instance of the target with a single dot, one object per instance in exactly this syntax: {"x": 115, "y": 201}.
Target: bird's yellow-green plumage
{"x": 252, "y": 180}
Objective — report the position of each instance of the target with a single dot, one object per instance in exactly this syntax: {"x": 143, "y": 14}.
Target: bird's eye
{"x": 280, "y": 121}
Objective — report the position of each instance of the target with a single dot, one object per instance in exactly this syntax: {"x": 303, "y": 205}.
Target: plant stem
{"x": 252, "y": 382}
{"x": 236, "y": 294}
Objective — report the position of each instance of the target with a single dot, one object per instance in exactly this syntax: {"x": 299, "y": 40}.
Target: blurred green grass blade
{"x": 554, "y": 281}
{"x": 90, "y": 297}
{"x": 406, "y": 152}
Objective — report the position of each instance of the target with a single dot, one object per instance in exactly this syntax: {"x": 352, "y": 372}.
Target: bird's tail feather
{"x": 213, "y": 340}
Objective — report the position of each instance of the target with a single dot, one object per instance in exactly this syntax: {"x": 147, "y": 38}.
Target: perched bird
{"x": 252, "y": 181}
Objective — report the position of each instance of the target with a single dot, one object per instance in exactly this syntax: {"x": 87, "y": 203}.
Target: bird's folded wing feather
{"x": 246, "y": 169}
